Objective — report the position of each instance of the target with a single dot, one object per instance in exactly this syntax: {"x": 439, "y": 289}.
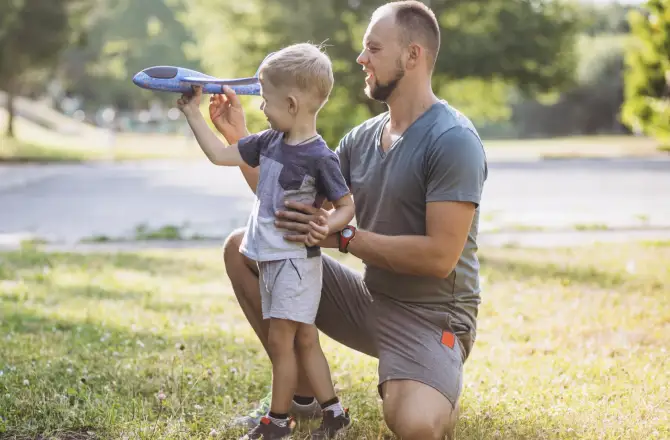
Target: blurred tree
{"x": 592, "y": 105}
{"x": 646, "y": 106}
{"x": 488, "y": 46}
{"x": 125, "y": 37}
{"x": 606, "y": 18}
{"x": 32, "y": 35}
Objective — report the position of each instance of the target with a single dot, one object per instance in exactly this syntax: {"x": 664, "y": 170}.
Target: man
{"x": 417, "y": 174}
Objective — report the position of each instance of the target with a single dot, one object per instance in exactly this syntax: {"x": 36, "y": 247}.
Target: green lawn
{"x": 58, "y": 148}
{"x": 128, "y": 147}
{"x": 573, "y": 344}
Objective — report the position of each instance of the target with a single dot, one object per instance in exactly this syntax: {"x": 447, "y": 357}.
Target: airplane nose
{"x": 140, "y": 78}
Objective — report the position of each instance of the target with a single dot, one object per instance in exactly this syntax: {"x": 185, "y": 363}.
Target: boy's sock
{"x": 278, "y": 419}
{"x": 333, "y": 405}
{"x": 302, "y": 400}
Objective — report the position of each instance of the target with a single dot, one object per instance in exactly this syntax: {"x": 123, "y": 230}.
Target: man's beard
{"x": 381, "y": 92}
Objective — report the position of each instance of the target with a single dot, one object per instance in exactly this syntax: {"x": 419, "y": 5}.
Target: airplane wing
{"x": 221, "y": 81}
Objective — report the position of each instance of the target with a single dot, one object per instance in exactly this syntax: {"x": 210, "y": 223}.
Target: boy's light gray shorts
{"x": 291, "y": 288}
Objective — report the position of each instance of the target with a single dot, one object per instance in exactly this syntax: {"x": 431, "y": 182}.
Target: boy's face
{"x": 276, "y": 106}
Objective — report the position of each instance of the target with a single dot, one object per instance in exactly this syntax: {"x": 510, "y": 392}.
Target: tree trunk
{"x": 10, "y": 114}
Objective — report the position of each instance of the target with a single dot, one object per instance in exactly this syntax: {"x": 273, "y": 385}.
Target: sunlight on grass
{"x": 126, "y": 147}
{"x": 571, "y": 344}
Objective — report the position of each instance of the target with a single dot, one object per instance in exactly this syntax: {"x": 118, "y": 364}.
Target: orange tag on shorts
{"x": 448, "y": 339}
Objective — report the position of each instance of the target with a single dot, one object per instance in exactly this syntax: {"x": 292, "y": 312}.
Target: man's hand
{"x": 300, "y": 221}
{"x": 318, "y": 231}
{"x": 189, "y": 103}
{"x": 227, "y": 115}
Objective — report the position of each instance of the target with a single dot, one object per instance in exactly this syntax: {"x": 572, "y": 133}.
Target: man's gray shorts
{"x": 410, "y": 341}
{"x": 291, "y": 288}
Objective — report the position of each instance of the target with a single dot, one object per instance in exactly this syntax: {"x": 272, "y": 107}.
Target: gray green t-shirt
{"x": 440, "y": 157}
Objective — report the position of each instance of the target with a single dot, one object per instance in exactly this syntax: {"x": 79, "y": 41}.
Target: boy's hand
{"x": 189, "y": 103}
{"x": 318, "y": 231}
{"x": 227, "y": 115}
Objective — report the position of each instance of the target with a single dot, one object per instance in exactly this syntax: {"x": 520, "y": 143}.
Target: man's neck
{"x": 405, "y": 106}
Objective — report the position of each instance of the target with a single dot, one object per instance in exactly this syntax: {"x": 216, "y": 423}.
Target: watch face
{"x": 347, "y": 233}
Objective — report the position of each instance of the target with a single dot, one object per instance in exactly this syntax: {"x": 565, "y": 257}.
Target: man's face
{"x": 381, "y": 58}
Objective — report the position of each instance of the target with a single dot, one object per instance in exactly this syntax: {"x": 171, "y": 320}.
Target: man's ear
{"x": 414, "y": 52}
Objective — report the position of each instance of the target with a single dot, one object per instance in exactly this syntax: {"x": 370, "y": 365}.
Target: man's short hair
{"x": 418, "y": 23}
{"x": 302, "y": 66}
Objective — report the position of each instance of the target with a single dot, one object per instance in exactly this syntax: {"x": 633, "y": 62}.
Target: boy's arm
{"x": 331, "y": 222}
{"x": 215, "y": 150}
{"x": 342, "y": 213}
{"x": 227, "y": 115}
{"x": 333, "y": 184}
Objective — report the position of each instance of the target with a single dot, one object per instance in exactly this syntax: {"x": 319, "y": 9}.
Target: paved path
{"x": 66, "y": 203}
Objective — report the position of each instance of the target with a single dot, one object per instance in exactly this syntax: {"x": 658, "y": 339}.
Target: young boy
{"x": 295, "y": 164}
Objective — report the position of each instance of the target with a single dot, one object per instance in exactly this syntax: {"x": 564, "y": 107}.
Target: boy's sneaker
{"x": 251, "y": 420}
{"x": 268, "y": 430}
{"x": 331, "y": 425}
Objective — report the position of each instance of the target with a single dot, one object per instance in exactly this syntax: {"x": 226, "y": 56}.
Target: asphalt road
{"x": 66, "y": 203}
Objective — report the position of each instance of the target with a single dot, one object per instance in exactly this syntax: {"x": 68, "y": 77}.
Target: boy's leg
{"x": 244, "y": 277}
{"x": 335, "y": 417}
{"x": 343, "y": 312}
{"x": 307, "y": 278}
{"x": 314, "y": 363}
{"x": 281, "y": 342}
{"x": 294, "y": 287}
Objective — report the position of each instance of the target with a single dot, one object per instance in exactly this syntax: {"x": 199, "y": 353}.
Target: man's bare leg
{"x": 414, "y": 410}
{"x": 243, "y": 274}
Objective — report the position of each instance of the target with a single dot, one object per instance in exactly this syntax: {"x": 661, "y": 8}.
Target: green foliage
{"x": 592, "y": 105}
{"x": 647, "y": 107}
{"x": 606, "y": 18}
{"x": 125, "y": 37}
{"x": 488, "y": 46}
{"x": 32, "y": 35}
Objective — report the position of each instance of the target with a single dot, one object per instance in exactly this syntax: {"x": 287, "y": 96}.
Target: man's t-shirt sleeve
{"x": 342, "y": 152}
{"x": 331, "y": 183}
{"x": 251, "y": 146}
{"x": 456, "y": 167}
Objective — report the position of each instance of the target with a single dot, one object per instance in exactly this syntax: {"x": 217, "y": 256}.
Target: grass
{"x": 144, "y": 232}
{"x": 127, "y": 147}
{"x": 572, "y": 344}
{"x": 566, "y": 147}
{"x": 12, "y": 150}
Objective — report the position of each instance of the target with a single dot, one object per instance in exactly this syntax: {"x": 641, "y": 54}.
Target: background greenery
{"x": 520, "y": 69}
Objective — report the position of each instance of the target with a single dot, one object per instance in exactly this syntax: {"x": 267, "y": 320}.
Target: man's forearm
{"x": 417, "y": 255}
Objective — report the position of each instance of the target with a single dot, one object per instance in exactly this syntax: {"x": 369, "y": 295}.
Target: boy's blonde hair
{"x": 303, "y": 66}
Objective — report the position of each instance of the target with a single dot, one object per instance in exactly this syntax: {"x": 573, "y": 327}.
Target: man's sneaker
{"x": 268, "y": 430}
{"x": 331, "y": 425}
{"x": 309, "y": 411}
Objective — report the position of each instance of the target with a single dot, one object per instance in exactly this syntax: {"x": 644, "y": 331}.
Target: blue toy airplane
{"x": 180, "y": 80}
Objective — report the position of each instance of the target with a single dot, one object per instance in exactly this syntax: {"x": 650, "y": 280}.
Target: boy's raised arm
{"x": 215, "y": 150}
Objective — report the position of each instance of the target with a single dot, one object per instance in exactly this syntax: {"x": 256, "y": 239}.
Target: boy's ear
{"x": 292, "y": 105}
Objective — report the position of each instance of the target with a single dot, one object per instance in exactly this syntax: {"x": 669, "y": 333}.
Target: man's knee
{"x": 231, "y": 246}
{"x": 413, "y": 411}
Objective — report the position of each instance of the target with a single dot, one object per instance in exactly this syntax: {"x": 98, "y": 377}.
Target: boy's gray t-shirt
{"x": 440, "y": 157}
{"x": 308, "y": 173}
